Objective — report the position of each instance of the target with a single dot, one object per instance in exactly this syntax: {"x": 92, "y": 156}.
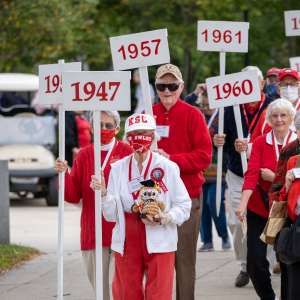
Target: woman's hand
{"x": 241, "y": 211}
{"x": 219, "y": 140}
{"x": 98, "y": 185}
{"x": 60, "y": 166}
{"x": 289, "y": 178}
{"x": 267, "y": 174}
{"x": 240, "y": 145}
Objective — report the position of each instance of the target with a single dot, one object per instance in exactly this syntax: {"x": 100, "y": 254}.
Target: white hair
{"x": 282, "y": 105}
{"x": 254, "y": 68}
{"x": 113, "y": 113}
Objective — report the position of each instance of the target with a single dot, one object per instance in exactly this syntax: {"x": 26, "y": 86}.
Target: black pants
{"x": 290, "y": 284}
{"x": 257, "y": 263}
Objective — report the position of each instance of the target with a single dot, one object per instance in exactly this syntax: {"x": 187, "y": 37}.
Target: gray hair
{"x": 281, "y": 104}
{"x": 297, "y": 120}
{"x": 254, "y": 68}
{"x": 113, "y": 114}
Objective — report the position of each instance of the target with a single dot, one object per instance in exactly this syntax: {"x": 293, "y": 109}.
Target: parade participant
{"x": 289, "y": 86}
{"x": 185, "y": 140}
{"x": 257, "y": 181}
{"x": 209, "y": 212}
{"x": 77, "y": 187}
{"x": 253, "y": 123}
{"x": 270, "y": 88}
{"x": 145, "y": 235}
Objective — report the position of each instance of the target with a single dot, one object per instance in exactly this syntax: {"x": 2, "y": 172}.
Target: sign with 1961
{"x": 236, "y": 88}
{"x": 140, "y": 49}
{"x": 292, "y": 22}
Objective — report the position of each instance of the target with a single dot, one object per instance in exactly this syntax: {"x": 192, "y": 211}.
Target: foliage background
{"x": 38, "y": 32}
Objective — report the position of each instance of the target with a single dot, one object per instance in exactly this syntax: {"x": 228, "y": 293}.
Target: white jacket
{"x": 159, "y": 238}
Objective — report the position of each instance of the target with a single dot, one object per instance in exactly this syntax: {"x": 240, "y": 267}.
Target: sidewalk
{"x": 36, "y": 280}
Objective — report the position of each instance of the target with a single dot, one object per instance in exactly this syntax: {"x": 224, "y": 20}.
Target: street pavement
{"x": 34, "y": 224}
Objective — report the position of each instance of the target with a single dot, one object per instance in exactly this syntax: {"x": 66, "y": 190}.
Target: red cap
{"x": 273, "y": 72}
{"x": 288, "y": 72}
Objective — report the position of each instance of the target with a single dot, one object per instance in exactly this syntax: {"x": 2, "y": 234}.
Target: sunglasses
{"x": 107, "y": 125}
{"x": 172, "y": 87}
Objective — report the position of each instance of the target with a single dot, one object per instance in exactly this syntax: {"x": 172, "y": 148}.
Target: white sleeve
{"x": 181, "y": 202}
{"x": 109, "y": 204}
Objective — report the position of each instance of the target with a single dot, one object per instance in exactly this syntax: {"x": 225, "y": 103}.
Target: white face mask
{"x": 289, "y": 92}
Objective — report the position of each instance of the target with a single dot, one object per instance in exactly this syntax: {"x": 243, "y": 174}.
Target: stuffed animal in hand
{"x": 148, "y": 204}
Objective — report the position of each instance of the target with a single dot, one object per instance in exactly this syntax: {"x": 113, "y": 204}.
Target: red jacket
{"x": 262, "y": 156}
{"x": 294, "y": 192}
{"x": 189, "y": 144}
{"x": 77, "y": 186}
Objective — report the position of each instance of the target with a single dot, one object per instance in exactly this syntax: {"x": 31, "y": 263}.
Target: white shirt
{"x": 159, "y": 238}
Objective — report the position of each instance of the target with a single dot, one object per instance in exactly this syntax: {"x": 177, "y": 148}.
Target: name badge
{"x": 163, "y": 130}
{"x": 134, "y": 185}
{"x": 296, "y": 172}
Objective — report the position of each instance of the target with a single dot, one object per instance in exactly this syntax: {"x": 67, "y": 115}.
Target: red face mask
{"x": 107, "y": 135}
{"x": 139, "y": 142}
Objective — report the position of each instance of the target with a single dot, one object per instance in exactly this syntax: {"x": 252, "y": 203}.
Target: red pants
{"x": 136, "y": 262}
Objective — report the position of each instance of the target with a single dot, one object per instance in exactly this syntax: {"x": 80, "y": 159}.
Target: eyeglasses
{"x": 172, "y": 87}
{"x": 107, "y": 125}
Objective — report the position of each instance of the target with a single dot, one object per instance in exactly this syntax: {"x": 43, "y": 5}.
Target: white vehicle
{"x": 27, "y": 141}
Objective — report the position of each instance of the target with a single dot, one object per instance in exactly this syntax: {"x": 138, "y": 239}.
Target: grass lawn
{"x": 13, "y": 255}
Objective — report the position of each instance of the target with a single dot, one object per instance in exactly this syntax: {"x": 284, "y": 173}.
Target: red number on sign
{"x": 89, "y": 90}
{"x": 246, "y": 88}
{"x": 145, "y": 49}
{"x": 227, "y": 36}
{"x": 101, "y": 93}
{"x": 122, "y": 50}
{"x": 116, "y": 85}
{"x": 217, "y": 35}
{"x": 77, "y": 96}
{"x": 295, "y": 23}
{"x": 238, "y": 34}
{"x": 205, "y": 34}
{"x": 157, "y": 41}
{"x": 55, "y": 82}
{"x": 133, "y": 50}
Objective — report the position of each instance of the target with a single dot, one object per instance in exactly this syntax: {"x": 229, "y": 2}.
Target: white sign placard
{"x": 295, "y": 63}
{"x": 292, "y": 22}
{"x": 140, "y": 49}
{"x": 237, "y": 88}
{"x": 97, "y": 90}
{"x": 50, "y": 81}
{"x": 222, "y": 36}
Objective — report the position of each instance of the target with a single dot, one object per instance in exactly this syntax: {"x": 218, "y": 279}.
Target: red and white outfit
{"x": 77, "y": 187}
{"x": 144, "y": 249}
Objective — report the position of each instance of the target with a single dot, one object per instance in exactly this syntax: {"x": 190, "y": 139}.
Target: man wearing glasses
{"x": 184, "y": 139}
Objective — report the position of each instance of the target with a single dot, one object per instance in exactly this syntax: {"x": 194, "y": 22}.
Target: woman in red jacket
{"x": 77, "y": 187}
{"x": 257, "y": 181}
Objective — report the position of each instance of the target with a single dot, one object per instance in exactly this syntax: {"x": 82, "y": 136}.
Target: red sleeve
{"x": 200, "y": 157}
{"x": 253, "y": 172}
{"x": 72, "y": 182}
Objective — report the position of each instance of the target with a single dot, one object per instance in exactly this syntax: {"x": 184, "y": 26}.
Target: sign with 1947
{"x": 140, "y": 49}
{"x": 236, "y": 88}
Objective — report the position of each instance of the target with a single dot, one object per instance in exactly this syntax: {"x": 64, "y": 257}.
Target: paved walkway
{"x": 36, "y": 280}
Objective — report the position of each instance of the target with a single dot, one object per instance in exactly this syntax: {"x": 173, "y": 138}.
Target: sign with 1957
{"x": 236, "y": 88}
{"x": 222, "y": 36}
{"x": 292, "y": 22}
{"x": 96, "y": 90}
{"x": 140, "y": 49}
{"x": 50, "y": 81}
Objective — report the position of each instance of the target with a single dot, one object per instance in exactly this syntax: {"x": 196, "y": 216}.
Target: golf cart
{"x": 27, "y": 141}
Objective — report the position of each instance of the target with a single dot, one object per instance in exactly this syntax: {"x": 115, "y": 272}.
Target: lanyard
{"x": 108, "y": 155}
{"x": 297, "y": 106}
{"x": 211, "y": 119}
{"x": 254, "y": 120}
{"x": 275, "y": 143}
{"x": 135, "y": 195}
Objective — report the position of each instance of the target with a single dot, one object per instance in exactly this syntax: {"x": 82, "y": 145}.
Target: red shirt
{"x": 77, "y": 186}
{"x": 188, "y": 144}
{"x": 263, "y": 155}
{"x": 83, "y": 131}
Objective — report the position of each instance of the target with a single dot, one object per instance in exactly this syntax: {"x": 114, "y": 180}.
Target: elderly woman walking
{"x": 258, "y": 180}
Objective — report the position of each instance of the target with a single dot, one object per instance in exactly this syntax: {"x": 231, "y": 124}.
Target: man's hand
{"x": 219, "y": 140}
{"x": 60, "y": 166}
{"x": 267, "y": 174}
{"x": 200, "y": 87}
{"x": 240, "y": 145}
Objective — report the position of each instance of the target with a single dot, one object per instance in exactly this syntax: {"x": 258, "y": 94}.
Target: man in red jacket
{"x": 184, "y": 139}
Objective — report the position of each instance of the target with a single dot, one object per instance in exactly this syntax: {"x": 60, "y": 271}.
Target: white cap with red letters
{"x": 139, "y": 122}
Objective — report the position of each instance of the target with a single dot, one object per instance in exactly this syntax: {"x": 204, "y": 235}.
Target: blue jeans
{"x": 209, "y": 213}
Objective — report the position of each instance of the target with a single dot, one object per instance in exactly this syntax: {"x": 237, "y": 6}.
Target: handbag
{"x": 276, "y": 221}
{"x": 287, "y": 244}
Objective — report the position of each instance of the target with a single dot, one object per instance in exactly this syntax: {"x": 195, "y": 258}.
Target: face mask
{"x": 139, "y": 142}
{"x": 107, "y": 135}
{"x": 271, "y": 90}
{"x": 289, "y": 92}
